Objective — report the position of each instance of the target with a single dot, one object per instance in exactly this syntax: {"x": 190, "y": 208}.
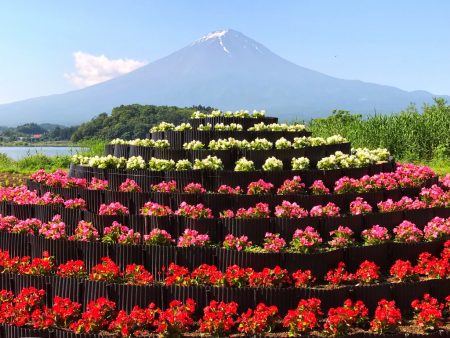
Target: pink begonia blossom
{"x": 194, "y": 188}
{"x": 359, "y": 207}
{"x": 259, "y": 187}
{"x": 55, "y": 229}
{"x": 28, "y": 226}
{"x": 260, "y": 210}
{"x": 129, "y": 186}
{"x": 236, "y": 243}
{"x": 341, "y": 237}
{"x": 407, "y": 232}
{"x": 290, "y": 210}
{"x": 437, "y": 228}
{"x": 305, "y": 240}
{"x": 273, "y": 242}
{"x": 163, "y": 186}
{"x": 226, "y": 189}
{"x": 155, "y": 209}
{"x": 293, "y": 186}
{"x": 85, "y": 232}
{"x": 121, "y": 234}
{"x": 113, "y": 209}
{"x": 330, "y": 210}
{"x": 98, "y": 184}
{"x": 192, "y": 238}
{"x": 76, "y": 203}
{"x": 319, "y": 188}
{"x": 375, "y": 235}
{"x": 198, "y": 211}
{"x": 158, "y": 237}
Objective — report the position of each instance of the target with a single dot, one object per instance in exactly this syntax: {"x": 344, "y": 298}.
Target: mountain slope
{"x": 223, "y": 69}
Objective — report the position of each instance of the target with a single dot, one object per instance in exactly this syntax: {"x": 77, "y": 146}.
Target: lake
{"x": 20, "y": 152}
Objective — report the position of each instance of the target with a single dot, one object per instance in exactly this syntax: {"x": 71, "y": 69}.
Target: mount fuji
{"x": 223, "y": 69}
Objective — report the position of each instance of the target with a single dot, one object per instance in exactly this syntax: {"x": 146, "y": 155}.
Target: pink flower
{"x": 319, "y": 188}
{"x": 55, "y": 229}
{"x": 330, "y": 210}
{"x": 306, "y": 240}
{"x": 158, "y": 237}
{"x": 341, "y": 238}
{"x": 359, "y": 206}
{"x": 76, "y": 203}
{"x": 407, "y": 232}
{"x": 437, "y": 228}
{"x": 113, "y": 209}
{"x": 170, "y": 186}
{"x": 193, "y": 211}
{"x": 290, "y": 210}
{"x": 260, "y": 210}
{"x": 259, "y": 187}
{"x": 273, "y": 242}
{"x": 192, "y": 238}
{"x": 194, "y": 188}
{"x": 226, "y": 189}
{"x": 237, "y": 243}
{"x": 130, "y": 186}
{"x": 375, "y": 235}
{"x": 155, "y": 209}
{"x": 98, "y": 184}
{"x": 294, "y": 186}
{"x": 84, "y": 232}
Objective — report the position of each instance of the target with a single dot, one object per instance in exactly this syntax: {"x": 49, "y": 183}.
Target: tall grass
{"x": 409, "y": 135}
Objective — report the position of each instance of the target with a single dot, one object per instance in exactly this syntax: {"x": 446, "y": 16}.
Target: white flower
{"x": 194, "y": 145}
{"x": 118, "y": 141}
{"x": 203, "y": 127}
{"x": 261, "y": 144}
{"x": 198, "y": 115}
{"x": 272, "y": 163}
{"x": 163, "y": 126}
{"x": 282, "y": 143}
{"x": 208, "y": 163}
{"x": 299, "y": 163}
{"x": 136, "y": 162}
{"x": 157, "y": 164}
{"x": 244, "y": 165}
{"x": 183, "y": 165}
{"x": 183, "y": 127}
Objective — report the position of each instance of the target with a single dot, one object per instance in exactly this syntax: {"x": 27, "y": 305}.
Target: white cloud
{"x": 92, "y": 69}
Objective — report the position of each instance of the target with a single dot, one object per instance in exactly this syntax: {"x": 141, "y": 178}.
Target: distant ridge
{"x": 223, "y": 69}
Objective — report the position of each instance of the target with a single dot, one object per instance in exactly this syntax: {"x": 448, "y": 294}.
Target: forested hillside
{"x": 132, "y": 121}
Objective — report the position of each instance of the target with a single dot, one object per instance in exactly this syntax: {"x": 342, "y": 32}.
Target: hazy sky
{"x": 49, "y": 47}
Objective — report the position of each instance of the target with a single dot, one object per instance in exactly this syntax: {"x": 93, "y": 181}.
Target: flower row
{"x": 428, "y": 267}
{"x": 405, "y": 175}
{"x": 360, "y": 158}
{"x": 218, "y": 318}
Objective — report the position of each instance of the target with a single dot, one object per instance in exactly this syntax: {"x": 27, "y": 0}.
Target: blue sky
{"x": 400, "y": 43}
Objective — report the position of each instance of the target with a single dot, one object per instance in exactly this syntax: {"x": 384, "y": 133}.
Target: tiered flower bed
{"x": 355, "y": 249}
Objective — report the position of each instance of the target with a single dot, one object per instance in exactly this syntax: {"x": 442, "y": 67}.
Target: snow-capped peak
{"x": 215, "y": 35}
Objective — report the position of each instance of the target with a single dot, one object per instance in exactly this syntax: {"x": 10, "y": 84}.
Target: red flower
{"x": 219, "y": 318}
{"x": 387, "y": 318}
{"x": 262, "y": 319}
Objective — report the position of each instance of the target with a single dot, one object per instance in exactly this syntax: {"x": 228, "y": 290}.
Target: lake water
{"x": 20, "y": 152}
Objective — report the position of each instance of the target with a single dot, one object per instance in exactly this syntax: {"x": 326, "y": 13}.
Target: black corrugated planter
{"x": 157, "y": 135}
{"x": 210, "y": 226}
{"x": 71, "y": 217}
{"x": 46, "y": 212}
{"x": 163, "y": 198}
{"x": 256, "y": 261}
{"x": 343, "y": 147}
{"x": 22, "y": 211}
{"x": 102, "y": 221}
{"x": 287, "y": 226}
{"x": 33, "y": 185}
{"x": 6, "y": 282}
{"x": 219, "y": 202}
{"x": 69, "y": 334}
{"x": 379, "y": 254}
{"x": 245, "y": 297}
{"x": 200, "y": 294}
{"x": 405, "y": 293}
{"x": 121, "y": 150}
{"x": 157, "y": 258}
{"x": 441, "y": 212}
{"x": 93, "y": 198}
{"x": 247, "y": 201}
{"x": 127, "y": 296}
{"x": 356, "y": 172}
{"x": 109, "y": 149}
{"x": 319, "y": 263}
{"x": 175, "y": 138}
{"x": 145, "y": 178}
{"x": 182, "y": 177}
{"x": 203, "y": 136}
{"x": 145, "y": 152}
{"x": 159, "y": 222}
{"x": 305, "y": 201}
{"x": 5, "y": 208}
{"x": 331, "y": 297}
{"x": 180, "y": 197}
{"x": 16, "y": 244}
{"x": 62, "y": 249}
{"x": 329, "y": 177}
{"x": 123, "y": 254}
{"x": 387, "y": 219}
{"x": 67, "y": 288}
{"x": 172, "y": 154}
{"x": 93, "y": 290}
{"x": 419, "y": 217}
{"x": 92, "y": 252}
{"x": 354, "y": 222}
{"x": 439, "y": 288}
{"x": 371, "y": 294}
{"x": 25, "y": 332}
{"x": 411, "y": 251}
{"x": 283, "y": 298}
{"x": 234, "y": 178}
{"x": 116, "y": 177}
{"x": 193, "y": 257}
{"x": 314, "y": 154}
{"x": 134, "y": 201}
{"x": 254, "y": 228}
